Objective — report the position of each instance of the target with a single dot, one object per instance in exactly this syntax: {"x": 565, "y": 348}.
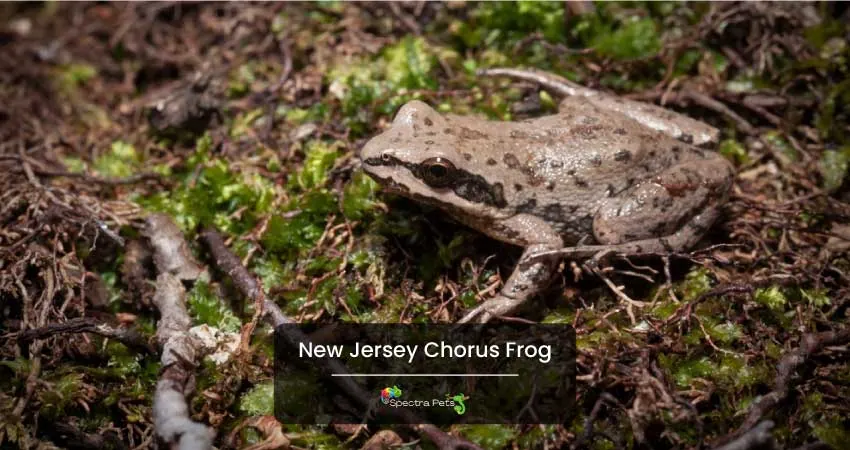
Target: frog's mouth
{"x": 388, "y": 184}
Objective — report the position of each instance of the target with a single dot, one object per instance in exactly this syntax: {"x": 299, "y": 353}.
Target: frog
{"x": 603, "y": 175}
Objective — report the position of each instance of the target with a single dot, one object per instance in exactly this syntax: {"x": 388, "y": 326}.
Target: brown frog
{"x": 603, "y": 175}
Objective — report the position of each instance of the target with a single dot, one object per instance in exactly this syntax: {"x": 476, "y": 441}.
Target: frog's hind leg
{"x": 675, "y": 206}
{"x": 686, "y": 237}
{"x": 668, "y": 213}
{"x": 669, "y": 122}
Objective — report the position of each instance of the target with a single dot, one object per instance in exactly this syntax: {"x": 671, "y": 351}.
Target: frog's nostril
{"x": 385, "y": 156}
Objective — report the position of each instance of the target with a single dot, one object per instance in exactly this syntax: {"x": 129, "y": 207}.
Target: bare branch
{"x": 758, "y": 438}
{"x": 180, "y": 351}
{"x": 129, "y": 337}
{"x": 171, "y": 251}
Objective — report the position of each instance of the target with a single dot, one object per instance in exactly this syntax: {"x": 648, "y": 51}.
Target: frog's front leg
{"x": 529, "y": 277}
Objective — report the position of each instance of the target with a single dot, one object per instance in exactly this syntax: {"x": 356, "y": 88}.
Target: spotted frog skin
{"x": 602, "y": 175}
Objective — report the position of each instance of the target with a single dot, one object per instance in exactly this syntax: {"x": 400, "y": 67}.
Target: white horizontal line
{"x": 425, "y": 375}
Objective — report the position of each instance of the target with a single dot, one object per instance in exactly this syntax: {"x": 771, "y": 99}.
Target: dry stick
{"x": 591, "y": 419}
{"x": 759, "y": 437}
{"x": 814, "y": 446}
{"x": 72, "y": 437}
{"x": 810, "y": 344}
{"x": 36, "y": 347}
{"x": 171, "y": 252}
{"x": 716, "y": 106}
{"x": 180, "y": 350}
{"x": 129, "y": 337}
{"x": 408, "y": 22}
{"x": 228, "y": 263}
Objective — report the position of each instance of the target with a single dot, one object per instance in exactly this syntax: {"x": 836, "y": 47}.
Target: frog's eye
{"x": 437, "y": 172}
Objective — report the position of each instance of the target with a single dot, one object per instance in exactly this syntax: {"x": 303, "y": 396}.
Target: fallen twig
{"x": 230, "y": 264}
{"x": 127, "y": 336}
{"x": 72, "y": 437}
{"x": 180, "y": 351}
{"x": 591, "y": 419}
{"x": 758, "y": 438}
{"x": 171, "y": 252}
{"x": 718, "y": 107}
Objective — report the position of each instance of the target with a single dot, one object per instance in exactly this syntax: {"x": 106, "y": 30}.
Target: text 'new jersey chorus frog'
{"x": 604, "y": 174}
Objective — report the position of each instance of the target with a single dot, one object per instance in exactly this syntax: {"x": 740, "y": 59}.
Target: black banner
{"x": 508, "y": 373}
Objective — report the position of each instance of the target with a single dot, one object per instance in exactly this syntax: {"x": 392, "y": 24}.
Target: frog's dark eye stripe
{"x": 437, "y": 172}
{"x": 441, "y": 173}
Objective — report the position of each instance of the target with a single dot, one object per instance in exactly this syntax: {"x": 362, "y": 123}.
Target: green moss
{"x": 834, "y": 432}
{"x": 772, "y": 297}
{"x": 602, "y": 337}
{"x": 258, "y": 401}
{"x": 288, "y": 235}
{"x": 833, "y": 167}
{"x": 272, "y": 272}
{"x": 501, "y": 23}
{"x": 731, "y": 372}
{"x": 71, "y": 76}
{"x": 781, "y": 146}
{"x": 60, "y": 394}
{"x": 537, "y": 436}
{"x": 207, "y": 307}
{"x": 696, "y": 282}
{"x": 409, "y": 64}
{"x": 734, "y": 151}
{"x": 833, "y": 112}
{"x": 687, "y": 62}
{"x": 634, "y": 39}
{"x": 488, "y": 436}
{"x": 315, "y": 438}
{"x": 243, "y": 122}
{"x": 74, "y": 164}
{"x": 203, "y": 148}
{"x": 664, "y": 309}
{"x": 815, "y": 297}
{"x": 19, "y": 366}
{"x": 720, "y": 332}
{"x": 369, "y": 87}
{"x": 725, "y": 333}
{"x": 213, "y": 198}
{"x": 241, "y": 80}
{"x": 123, "y": 361}
{"x": 431, "y": 263}
{"x": 359, "y": 196}
{"x": 319, "y": 159}
{"x": 120, "y": 161}
{"x": 561, "y": 316}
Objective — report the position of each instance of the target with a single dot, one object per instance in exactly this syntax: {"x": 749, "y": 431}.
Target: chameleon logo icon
{"x": 460, "y": 407}
{"x": 390, "y": 392}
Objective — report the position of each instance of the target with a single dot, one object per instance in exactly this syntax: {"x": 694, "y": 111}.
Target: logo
{"x": 390, "y": 392}
{"x": 459, "y": 407}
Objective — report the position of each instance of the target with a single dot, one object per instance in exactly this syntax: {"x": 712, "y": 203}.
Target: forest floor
{"x": 247, "y": 119}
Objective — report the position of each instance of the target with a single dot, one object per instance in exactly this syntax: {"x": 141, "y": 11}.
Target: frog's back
{"x": 563, "y": 167}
